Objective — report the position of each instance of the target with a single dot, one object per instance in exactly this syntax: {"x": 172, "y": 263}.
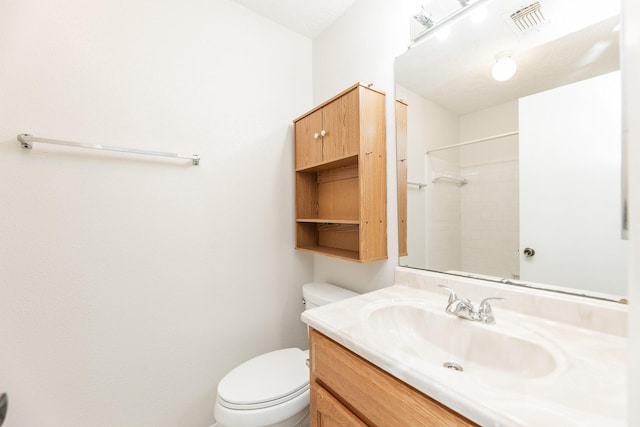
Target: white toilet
{"x": 272, "y": 390}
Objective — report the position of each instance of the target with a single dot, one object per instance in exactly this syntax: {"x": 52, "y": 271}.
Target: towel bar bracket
{"x": 24, "y": 142}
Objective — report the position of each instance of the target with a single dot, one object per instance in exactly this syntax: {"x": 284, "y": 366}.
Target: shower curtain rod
{"x": 27, "y": 142}
{"x": 474, "y": 141}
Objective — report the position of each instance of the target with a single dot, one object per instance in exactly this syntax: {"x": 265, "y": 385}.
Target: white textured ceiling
{"x": 306, "y": 17}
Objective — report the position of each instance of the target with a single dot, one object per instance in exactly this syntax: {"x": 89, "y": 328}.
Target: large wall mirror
{"x": 516, "y": 179}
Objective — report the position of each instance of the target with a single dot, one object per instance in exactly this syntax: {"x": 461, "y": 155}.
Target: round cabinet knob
{"x": 529, "y": 252}
{"x": 323, "y": 132}
{"x": 316, "y": 135}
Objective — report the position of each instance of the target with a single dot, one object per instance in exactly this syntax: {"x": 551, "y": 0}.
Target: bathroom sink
{"x": 542, "y": 362}
{"x": 431, "y": 335}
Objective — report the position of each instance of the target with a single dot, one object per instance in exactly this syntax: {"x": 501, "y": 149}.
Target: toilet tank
{"x": 316, "y": 294}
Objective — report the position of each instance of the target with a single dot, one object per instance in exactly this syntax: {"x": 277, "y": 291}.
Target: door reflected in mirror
{"x": 523, "y": 175}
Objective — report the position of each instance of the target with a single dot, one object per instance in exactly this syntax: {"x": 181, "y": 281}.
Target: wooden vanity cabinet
{"x": 329, "y": 412}
{"x": 341, "y": 196}
{"x": 347, "y": 390}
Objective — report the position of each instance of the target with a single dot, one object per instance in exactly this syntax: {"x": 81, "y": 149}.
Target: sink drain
{"x": 454, "y": 366}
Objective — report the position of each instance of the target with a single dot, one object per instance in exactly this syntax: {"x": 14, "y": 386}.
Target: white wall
{"x": 130, "y": 285}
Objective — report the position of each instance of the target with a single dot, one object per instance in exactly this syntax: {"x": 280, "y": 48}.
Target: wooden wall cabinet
{"x": 347, "y": 390}
{"x": 401, "y": 165}
{"x": 341, "y": 196}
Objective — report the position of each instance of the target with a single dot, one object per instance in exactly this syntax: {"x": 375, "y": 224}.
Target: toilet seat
{"x": 266, "y": 380}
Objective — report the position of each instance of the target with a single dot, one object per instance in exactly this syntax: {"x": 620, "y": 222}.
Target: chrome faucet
{"x": 465, "y": 310}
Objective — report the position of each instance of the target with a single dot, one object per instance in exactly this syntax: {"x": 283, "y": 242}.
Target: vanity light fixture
{"x": 432, "y": 26}
{"x": 424, "y": 18}
{"x": 504, "y": 68}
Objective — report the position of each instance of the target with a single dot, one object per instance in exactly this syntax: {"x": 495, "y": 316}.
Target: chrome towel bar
{"x": 27, "y": 142}
{"x": 451, "y": 178}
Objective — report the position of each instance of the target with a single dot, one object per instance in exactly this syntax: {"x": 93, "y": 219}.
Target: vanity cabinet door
{"x": 372, "y": 395}
{"x": 328, "y": 412}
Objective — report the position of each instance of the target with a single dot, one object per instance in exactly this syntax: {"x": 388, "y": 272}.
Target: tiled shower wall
{"x": 443, "y": 209}
{"x": 489, "y": 202}
{"x": 489, "y": 219}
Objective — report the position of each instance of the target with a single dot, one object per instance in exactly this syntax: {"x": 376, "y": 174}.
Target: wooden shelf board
{"x": 340, "y": 163}
{"x": 333, "y": 252}
{"x": 329, "y": 221}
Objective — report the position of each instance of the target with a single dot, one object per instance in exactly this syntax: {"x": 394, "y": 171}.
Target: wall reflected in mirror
{"x": 522, "y": 175}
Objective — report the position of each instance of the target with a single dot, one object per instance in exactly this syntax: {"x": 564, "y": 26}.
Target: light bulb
{"x": 504, "y": 68}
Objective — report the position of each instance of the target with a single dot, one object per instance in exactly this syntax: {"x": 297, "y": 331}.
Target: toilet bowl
{"x": 272, "y": 390}
{"x": 269, "y": 390}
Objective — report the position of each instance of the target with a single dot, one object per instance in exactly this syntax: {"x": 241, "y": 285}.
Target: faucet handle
{"x": 452, "y": 294}
{"x": 485, "y": 313}
{"x": 484, "y": 304}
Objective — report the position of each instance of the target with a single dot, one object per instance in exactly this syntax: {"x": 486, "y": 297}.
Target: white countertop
{"x": 586, "y": 387}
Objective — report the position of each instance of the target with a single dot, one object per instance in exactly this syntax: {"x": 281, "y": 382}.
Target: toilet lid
{"x": 266, "y": 380}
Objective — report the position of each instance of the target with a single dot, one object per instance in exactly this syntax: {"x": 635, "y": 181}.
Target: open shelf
{"x": 333, "y": 252}
{"x": 339, "y": 239}
{"x": 330, "y": 195}
{"x": 339, "y": 163}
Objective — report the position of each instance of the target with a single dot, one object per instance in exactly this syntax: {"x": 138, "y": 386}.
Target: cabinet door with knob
{"x": 309, "y": 140}
{"x": 331, "y": 132}
{"x": 341, "y": 127}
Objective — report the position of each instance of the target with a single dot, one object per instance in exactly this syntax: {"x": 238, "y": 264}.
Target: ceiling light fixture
{"x": 504, "y": 68}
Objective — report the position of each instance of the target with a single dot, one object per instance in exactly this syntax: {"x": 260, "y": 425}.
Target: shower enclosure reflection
{"x": 530, "y": 163}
